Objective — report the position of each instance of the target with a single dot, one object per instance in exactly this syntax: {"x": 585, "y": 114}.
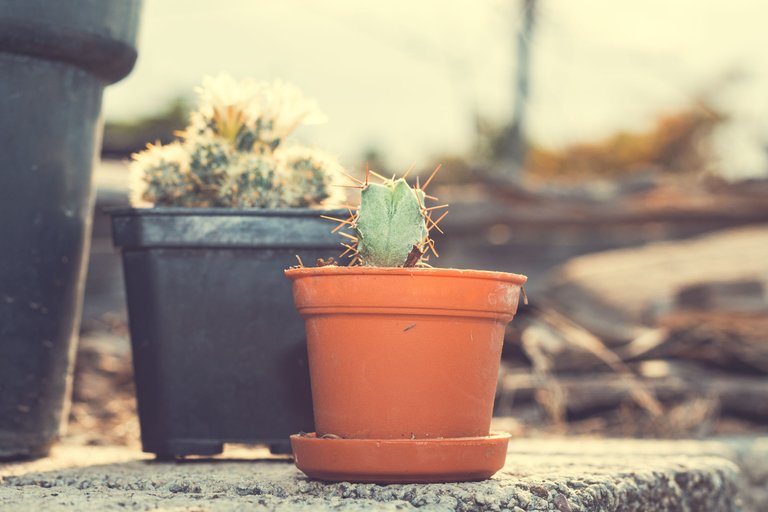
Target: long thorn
{"x": 427, "y": 196}
{"x": 408, "y": 171}
{"x": 431, "y": 176}
{"x": 347, "y": 235}
{"x": 343, "y": 221}
{"x": 347, "y": 186}
{"x": 441, "y": 217}
{"x": 431, "y": 244}
{"x": 351, "y": 177}
{"x": 337, "y": 228}
{"x": 382, "y": 178}
{"x": 301, "y": 263}
{"x": 435, "y": 223}
{"x": 431, "y": 225}
{"x": 436, "y": 207}
{"x": 350, "y": 247}
{"x": 416, "y": 195}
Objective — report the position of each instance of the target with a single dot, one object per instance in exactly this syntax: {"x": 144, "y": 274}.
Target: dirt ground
{"x": 103, "y": 404}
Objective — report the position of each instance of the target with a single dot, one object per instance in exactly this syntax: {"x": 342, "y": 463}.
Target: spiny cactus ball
{"x": 392, "y": 224}
{"x": 309, "y": 173}
{"x": 162, "y": 177}
{"x": 391, "y": 221}
{"x": 232, "y": 154}
{"x": 252, "y": 184}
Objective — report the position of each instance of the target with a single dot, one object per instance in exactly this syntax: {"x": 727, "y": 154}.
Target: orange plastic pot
{"x": 404, "y": 353}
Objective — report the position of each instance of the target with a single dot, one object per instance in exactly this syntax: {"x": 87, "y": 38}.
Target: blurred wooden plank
{"x": 586, "y": 395}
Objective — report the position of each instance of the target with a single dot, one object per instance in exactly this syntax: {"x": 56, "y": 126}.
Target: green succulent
{"x": 391, "y": 225}
{"x": 390, "y": 222}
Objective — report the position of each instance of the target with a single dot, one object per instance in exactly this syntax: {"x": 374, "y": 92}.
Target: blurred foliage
{"x": 678, "y": 143}
{"x": 121, "y": 139}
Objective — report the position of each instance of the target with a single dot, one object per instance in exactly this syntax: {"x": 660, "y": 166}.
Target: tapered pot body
{"x": 55, "y": 60}
{"x": 404, "y": 353}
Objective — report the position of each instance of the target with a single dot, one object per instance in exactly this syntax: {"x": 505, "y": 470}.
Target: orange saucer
{"x": 400, "y": 460}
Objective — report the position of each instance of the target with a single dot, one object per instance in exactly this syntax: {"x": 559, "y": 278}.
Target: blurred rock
{"x": 729, "y": 340}
{"x": 742, "y": 295}
{"x": 617, "y": 295}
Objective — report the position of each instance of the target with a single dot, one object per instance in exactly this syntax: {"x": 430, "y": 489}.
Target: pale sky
{"x": 406, "y": 76}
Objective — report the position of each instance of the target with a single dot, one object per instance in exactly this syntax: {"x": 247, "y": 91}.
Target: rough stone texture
{"x": 749, "y": 453}
{"x": 558, "y": 475}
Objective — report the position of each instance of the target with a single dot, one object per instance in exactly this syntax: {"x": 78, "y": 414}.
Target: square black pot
{"x": 219, "y": 351}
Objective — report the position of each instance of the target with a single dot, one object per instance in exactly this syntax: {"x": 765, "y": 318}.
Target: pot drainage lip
{"x": 400, "y": 460}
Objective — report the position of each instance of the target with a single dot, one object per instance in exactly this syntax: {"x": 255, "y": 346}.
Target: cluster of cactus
{"x": 392, "y": 224}
{"x": 233, "y": 153}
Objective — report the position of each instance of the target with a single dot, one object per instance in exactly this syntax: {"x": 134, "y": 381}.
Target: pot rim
{"x": 332, "y": 270}
{"x": 181, "y": 211}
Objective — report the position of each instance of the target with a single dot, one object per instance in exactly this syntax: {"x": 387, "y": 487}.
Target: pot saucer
{"x": 400, "y": 460}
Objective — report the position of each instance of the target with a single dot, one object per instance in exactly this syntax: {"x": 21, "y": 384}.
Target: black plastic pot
{"x": 219, "y": 351}
{"x": 56, "y": 57}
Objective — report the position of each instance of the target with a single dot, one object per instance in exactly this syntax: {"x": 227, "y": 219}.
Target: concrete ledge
{"x": 560, "y": 475}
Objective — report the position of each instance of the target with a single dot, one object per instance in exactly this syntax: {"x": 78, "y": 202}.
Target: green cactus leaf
{"x": 390, "y": 222}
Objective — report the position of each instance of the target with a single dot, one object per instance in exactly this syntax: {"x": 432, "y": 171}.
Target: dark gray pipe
{"x": 56, "y": 57}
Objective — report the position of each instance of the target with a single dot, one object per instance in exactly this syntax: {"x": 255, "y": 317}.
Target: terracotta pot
{"x": 404, "y": 353}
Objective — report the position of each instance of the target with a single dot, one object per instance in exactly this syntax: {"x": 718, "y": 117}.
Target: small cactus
{"x": 162, "y": 179}
{"x": 308, "y": 174}
{"x": 392, "y": 224}
{"x": 232, "y": 154}
{"x": 252, "y": 183}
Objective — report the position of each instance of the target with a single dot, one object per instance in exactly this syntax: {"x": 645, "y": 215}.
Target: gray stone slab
{"x": 557, "y": 475}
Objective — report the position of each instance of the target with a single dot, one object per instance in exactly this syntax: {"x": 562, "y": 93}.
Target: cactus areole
{"x": 390, "y": 223}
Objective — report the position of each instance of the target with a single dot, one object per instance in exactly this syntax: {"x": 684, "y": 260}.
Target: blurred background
{"x": 614, "y": 152}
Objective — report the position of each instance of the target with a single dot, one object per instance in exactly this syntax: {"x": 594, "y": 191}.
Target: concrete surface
{"x": 559, "y": 475}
